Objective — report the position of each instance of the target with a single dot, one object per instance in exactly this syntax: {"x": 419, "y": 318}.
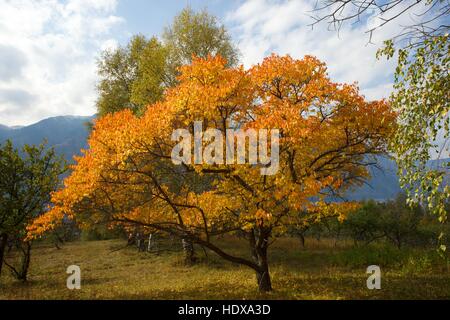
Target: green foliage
{"x": 365, "y": 224}
{"x": 27, "y": 179}
{"x": 198, "y": 34}
{"x": 152, "y": 74}
{"x": 400, "y": 222}
{"x": 360, "y": 257}
{"x": 136, "y": 75}
{"x": 118, "y": 70}
{"x": 421, "y": 98}
{"x": 393, "y": 221}
{"x": 102, "y": 232}
{"x": 417, "y": 265}
{"x": 409, "y": 261}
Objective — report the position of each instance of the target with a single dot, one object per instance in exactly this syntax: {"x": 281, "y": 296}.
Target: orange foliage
{"x": 327, "y": 131}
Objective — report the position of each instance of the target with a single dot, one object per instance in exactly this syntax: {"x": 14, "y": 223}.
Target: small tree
{"x": 400, "y": 222}
{"x": 27, "y": 179}
{"x": 393, "y": 220}
{"x": 364, "y": 225}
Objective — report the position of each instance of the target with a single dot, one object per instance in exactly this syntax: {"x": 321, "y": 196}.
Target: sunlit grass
{"x": 322, "y": 270}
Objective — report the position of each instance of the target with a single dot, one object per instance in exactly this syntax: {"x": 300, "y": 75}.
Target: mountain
{"x": 68, "y": 134}
{"x": 383, "y": 184}
{"x": 3, "y": 129}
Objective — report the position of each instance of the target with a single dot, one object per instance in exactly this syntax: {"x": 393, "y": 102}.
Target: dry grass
{"x": 321, "y": 271}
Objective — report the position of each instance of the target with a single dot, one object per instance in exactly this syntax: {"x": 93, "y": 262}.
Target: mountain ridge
{"x": 67, "y": 134}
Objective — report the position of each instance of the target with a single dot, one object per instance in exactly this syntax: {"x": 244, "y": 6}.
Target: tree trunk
{"x": 263, "y": 275}
{"x": 399, "y": 240}
{"x": 140, "y": 242}
{"x": 264, "y": 283}
{"x": 3, "y": 241}
{"x": 252, "y": 242}
{"x": 150, "y": 244}
{"x": 189, "y": 253}
{"x": 302, "y": 240}
{"x": 258, "y": 251}
{"x": 25, "y": 262}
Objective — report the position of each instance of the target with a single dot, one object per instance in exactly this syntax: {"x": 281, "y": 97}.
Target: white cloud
{"x": 48, "y": 50}
{"x": 56, "y": 45}
{"x": 262, "y": 27}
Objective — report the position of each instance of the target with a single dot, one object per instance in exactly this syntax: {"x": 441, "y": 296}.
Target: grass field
{"x": 320, "y": 271}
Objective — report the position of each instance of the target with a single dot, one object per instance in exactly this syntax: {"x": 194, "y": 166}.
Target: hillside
{"x": 67, "y": 134}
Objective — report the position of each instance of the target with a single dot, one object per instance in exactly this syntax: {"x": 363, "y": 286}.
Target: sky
{"x": 49, "y": 48}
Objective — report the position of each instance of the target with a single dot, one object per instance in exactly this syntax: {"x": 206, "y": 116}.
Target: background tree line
{"x": 392, "y": 221}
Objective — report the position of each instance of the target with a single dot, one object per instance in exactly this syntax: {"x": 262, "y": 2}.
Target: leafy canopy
{"x": 27, "y": 178}
{"x": 138, "y": 73}
{"x": 328, "y": 133}
{"x": 421, "y": 98}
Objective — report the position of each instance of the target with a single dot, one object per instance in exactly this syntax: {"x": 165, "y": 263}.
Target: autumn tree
{"x": 327, "y": 135}
{"x": 137, "y": 74}
{"x": 27, "y": 179}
